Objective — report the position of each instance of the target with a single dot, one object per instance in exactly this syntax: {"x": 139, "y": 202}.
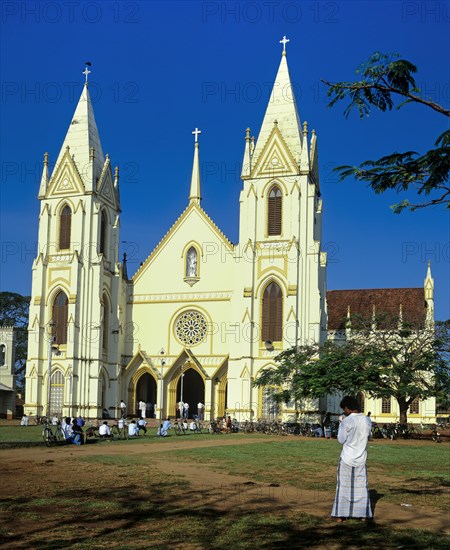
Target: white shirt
{"x": 132, "y": 429}
{"x": 354, "y": 432}
{"x": 104, "y": 430}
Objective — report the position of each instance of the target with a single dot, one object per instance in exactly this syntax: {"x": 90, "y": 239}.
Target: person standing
{"x": 186, "y": 411}
{"x": 352, "y": 490}
{"x": 180, "y": 409}
{"x": 200, "y": 411}
{"x": 123, "y": 409}
{"x": 142, "y": 408}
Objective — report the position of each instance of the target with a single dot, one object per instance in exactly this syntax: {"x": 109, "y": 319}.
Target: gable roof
{"x": 176, "y": 224}
{"x": 384, "y": 300}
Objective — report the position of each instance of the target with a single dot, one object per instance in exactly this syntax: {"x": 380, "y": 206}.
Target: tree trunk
{"x": 403, "y": 408}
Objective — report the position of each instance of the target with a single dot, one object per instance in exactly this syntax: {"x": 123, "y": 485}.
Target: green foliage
{"x": 404, "y": 362}
{"x": 14, "y": 310}
{"x": 385, "y": 78}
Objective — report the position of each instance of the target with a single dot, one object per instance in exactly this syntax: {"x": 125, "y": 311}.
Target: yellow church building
{"x": 202, "y": 315}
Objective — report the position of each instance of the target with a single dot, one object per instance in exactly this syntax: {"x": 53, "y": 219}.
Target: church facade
{"x": 202, "y": 315}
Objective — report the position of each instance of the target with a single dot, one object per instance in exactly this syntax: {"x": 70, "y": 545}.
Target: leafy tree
{"x": 382, "y": 359}
{"x": 14, "y": 309}
{"x": 387, "y": 79}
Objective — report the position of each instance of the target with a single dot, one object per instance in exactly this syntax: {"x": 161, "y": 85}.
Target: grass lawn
{"x": 412, "y": 474}
{"x": 118, "y": 498}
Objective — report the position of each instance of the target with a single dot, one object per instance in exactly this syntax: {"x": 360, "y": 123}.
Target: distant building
{"x": 7, "y": 377}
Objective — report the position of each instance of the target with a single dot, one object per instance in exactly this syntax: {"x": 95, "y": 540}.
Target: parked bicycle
{"x": 52, "y": 435}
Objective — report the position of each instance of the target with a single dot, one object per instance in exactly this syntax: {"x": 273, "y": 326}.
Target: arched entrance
{"x": 193, "y": 390}
{"x": 146, "y": 391}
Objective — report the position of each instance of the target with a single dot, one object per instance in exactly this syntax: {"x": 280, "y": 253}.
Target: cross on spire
{"x": 284, "y": 42}
{"x": 86, "y": 71}
{"x": 196, "y": 133}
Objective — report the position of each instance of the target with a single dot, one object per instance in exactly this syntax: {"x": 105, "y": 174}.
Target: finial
{"x": 91, "y": 153}
{"x": 247, "y": 134}
{"x": 305, "y": 127}
{"x": 313, "y": 133}
{"x": 87, "y": 72}
{"x": 284, "y": 42}
{"x": 45, "y": 158}
{"x": 107, "y": 156}
{"x": 196, "y": 133}
{"x": 116, "y": 172}
{"x": 67, "y": 148}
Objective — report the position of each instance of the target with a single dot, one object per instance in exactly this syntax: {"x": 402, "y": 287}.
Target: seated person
{"x": 66, "y": 428}
{"x": 55, "y": 420}
{"x": 141, "y": 425}
{"x": 24, "y": 421}
{"x": 184, "y": 424}
{"x": 78, "y": 436}
{"x": 104, "y": 430}
{"x": 193, "y": 426}
{"x": 105, "y": 413}
{"x": 165, "y": 427}
{"x": 133, "y": 429}
{"x": 229, "y": 424}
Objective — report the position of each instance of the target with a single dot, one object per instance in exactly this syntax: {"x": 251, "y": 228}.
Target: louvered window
{"x": 414, "y": 406}
{"x": 272, "y": 313}
{"x": 386, "y": 405}
{"x": 60, "y": 317}
{"x": 103, "y": 226}
{"x": 274, "y": 212}
{"x": 65, "y": 223}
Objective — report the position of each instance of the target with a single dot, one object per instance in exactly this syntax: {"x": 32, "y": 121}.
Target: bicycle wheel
{"x": 115, "y": 434}
{"x": 59, "y": 436}
{"x": 178, "y": 430}
{"x": 48, "y": 437}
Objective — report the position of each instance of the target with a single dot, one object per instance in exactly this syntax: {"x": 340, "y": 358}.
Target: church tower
{"x": 280, "y": 280}
{"x": 73, "y": 352}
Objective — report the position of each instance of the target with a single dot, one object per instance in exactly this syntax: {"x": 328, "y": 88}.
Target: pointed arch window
{"x": 192, "y": 263}
{"x": 274, "y": 211}
{"x": 65, "y": 226}
{"x": 103, "y": 228}
{"x": 272, "y": 313}
{"x": 60, "y": 315}
{"x": 105, "y": 323}
{"x": 386, "y": 405}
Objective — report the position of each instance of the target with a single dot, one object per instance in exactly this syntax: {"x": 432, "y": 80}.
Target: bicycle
{"x": 53, "y": 435}
{"x": 179, "y": 430}
{"x": 435, "y": 435}
{"x": 119, "y": 433}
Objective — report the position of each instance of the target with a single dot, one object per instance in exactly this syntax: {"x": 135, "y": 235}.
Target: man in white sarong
{"x": 352, "y": 490}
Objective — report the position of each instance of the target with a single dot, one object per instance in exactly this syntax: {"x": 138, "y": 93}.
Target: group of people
{"x": 183, "y": 410}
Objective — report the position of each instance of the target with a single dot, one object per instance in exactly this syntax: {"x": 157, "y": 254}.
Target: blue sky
{"x": 159, "y": 69}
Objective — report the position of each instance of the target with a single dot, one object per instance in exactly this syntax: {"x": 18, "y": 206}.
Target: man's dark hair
{"x": 351, "y": 403}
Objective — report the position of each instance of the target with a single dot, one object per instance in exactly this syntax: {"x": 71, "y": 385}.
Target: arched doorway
{"x": 146, "y": 391}
{"x": 193, "y": 390}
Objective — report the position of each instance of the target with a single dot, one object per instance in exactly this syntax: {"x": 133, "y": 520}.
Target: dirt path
{"x": 218, "y": 490}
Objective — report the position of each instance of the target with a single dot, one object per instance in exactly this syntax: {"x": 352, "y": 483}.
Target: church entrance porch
{"x": 146, "y": 391}
{"x": 190, "y": 389}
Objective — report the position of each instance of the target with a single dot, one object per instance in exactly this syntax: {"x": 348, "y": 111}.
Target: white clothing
{"x": 104, "y": 430}
{"x": 193, "y": 426}
{"x": 67, "y": 430}
{"x": 354, "y": 432}
{"x": 24, "y": 421}
{"x": 133, "y": 430}
{"x": 120, "y": 423}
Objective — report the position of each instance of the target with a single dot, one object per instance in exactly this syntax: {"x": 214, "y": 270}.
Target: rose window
{"x": 190, "y": 328}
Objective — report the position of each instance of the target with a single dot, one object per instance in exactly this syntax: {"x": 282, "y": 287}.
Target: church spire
{"x": 194, "y": 195}
{"x": 83, "y": 139}
{"x": 246, "y": 163}
{"x": 44, "y": 178}
{"x": 281, "y": 108}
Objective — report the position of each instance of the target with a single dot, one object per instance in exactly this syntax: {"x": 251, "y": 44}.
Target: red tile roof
{"x": 387, "y": 301}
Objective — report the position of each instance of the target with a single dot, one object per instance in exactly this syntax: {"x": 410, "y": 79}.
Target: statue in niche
{"x": 191, "y": 263}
